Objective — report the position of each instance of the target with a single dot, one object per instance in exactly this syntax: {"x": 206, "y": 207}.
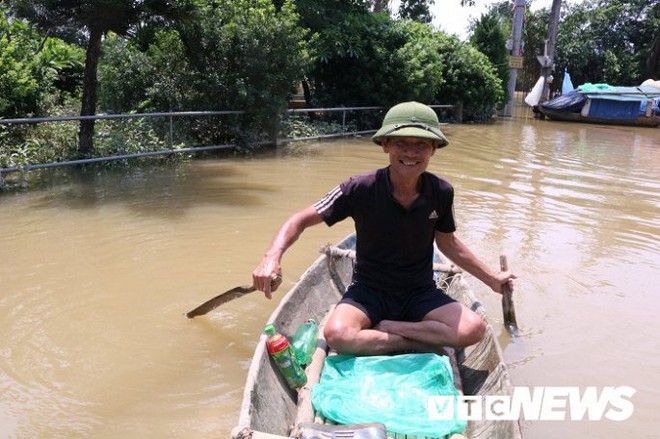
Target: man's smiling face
{"x": 409, "y": 155}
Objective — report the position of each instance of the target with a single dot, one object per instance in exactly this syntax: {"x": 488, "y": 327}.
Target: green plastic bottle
{"x": 304, "y": 342}
{"x": 280, "y": 350}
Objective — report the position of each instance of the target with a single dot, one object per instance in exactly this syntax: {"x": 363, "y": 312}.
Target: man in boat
{"x": 393, "y": 303}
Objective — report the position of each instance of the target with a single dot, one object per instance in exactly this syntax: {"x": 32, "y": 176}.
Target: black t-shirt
{"x": 394, "y": 245}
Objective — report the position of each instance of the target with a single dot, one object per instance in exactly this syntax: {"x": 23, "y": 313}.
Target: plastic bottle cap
{"x": 269, "y": 329}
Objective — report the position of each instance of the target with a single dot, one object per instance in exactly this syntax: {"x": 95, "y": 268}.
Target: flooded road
{"x": 96, "y": 273}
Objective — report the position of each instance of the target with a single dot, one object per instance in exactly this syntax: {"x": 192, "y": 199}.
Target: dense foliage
{"x": 598, "y": 41}
{"x": 609, "y": 41}
{"x": 35, "y": 73}
{"x": 357, "y": 62}
{"x": 38, "y": 77}
{"x": 369, "y": 60}
{"x": 416, "y": 10}
{"x": 165, "y": 55}
{"x": 91, "y": 21}
{"x": 470, "y": 79}
{"x": 489, "y": 37}
{"x": 243, "y": 55}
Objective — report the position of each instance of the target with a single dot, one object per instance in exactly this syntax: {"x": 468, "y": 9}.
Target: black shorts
{"x": 411, "y": 307}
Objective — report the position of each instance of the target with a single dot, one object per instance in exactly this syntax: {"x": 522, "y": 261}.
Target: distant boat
{"x": 602, "y": 104}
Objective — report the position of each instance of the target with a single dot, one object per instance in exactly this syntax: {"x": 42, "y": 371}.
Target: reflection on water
{"x": 97, "y": 270}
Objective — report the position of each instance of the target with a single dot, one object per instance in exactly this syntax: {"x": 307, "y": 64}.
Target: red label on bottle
{"x": 277, "y": 343}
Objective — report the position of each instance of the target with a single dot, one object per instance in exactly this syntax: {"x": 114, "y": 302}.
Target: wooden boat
{"x": 639, "y": 121}
{"x": 610, "y": 106}
{"x": 271, "y": 410}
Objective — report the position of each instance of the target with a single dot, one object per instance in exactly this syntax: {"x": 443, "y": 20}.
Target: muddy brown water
{"x": 95, "y": 274}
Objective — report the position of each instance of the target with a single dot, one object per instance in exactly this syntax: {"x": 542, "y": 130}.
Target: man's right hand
{"x": 267, "y": 277}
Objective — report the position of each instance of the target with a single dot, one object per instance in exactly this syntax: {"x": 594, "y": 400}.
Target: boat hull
{"x": 642, "y": 121}
{"x": 269, "y": 407}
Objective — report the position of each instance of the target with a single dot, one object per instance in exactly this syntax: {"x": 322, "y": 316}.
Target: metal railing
{"x": 171, "y": 116}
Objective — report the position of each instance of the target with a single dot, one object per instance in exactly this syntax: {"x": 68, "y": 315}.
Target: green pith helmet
{"x": 411, "y": 119}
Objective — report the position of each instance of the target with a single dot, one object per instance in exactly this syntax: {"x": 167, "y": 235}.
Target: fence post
{"x": 171, "y": 133}
{"x": 343, "y": 121}
{"x": 458, "y": 112}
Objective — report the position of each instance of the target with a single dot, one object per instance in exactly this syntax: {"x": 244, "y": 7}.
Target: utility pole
{"x": 548, "y": 60}
{"x": 515, "y": 59}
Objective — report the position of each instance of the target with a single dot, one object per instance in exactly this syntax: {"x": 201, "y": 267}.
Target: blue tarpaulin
{"x": 569, "y": 102}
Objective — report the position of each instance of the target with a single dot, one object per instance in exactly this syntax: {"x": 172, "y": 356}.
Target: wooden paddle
{"x": 227, "y": 296}
{"x": 507, "y": 303}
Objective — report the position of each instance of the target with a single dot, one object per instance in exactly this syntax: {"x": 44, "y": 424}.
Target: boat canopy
{"x": 638, "y": 93}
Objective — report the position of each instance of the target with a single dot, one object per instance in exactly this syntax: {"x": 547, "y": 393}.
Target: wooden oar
{"x": 227, "y": 296}
{"x": 507, "y": 303}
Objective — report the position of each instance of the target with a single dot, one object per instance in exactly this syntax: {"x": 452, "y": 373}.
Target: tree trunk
{"x": 546, "y": 70}
{"x": 88, "y": 107}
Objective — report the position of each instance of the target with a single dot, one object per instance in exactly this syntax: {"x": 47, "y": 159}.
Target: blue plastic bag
{"x": 393, "y": 390}
{"x": 567, "y": 84}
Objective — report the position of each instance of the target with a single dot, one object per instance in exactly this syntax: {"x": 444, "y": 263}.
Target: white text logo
{"x": 537, "y": 404}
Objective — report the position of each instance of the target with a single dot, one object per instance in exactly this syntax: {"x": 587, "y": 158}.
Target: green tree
{"x": 423, "y": 65}
{"x": 246, "y": 54}
{"x": 490, "y": 38}
{"x": 416, "y": 10}
{"x": 19, "y": 86}
{"x": 368, "y": 59}
{"x": 146, "y": 76}
{"x": 469, "y": 79}
{"x": 238, "y": 55}
{"x": 96, "y": 18}
{"x": 35, "y": 72}
{"x": 534, "y": 36}
{"x": 357, "y": 62}
{"x": 125, "y": 74}
{"x": 611, "y": 41}
{"x": 651, "y": 27}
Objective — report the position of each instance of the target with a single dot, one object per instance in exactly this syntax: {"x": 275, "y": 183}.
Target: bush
{"x": 470, "y": 79}
{"x": 35, "y": 72}
{"x": 235, "y": 55}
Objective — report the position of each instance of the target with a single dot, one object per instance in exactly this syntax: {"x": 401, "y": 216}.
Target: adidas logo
{"x": 433, "y": 215}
